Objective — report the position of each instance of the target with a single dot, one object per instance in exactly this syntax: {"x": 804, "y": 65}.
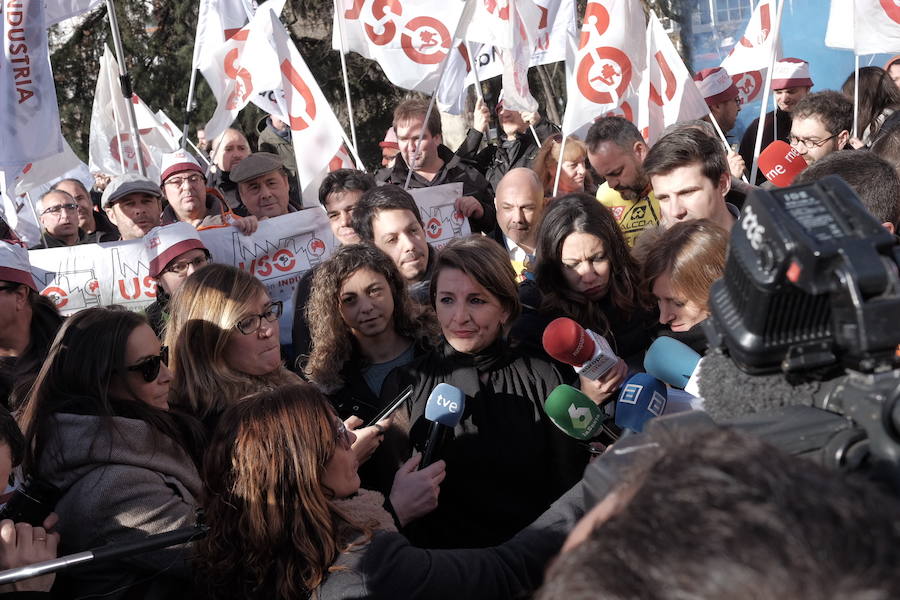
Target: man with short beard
{"x": 617, "y": 151}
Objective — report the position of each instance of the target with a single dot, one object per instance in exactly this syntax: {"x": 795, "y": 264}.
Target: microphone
{"x": 573, "y": 413}
{"x": 674, "y": 362}
{"x": 570, "y": 343}
{"x": 780, "y": 163}
{"x": 444, "y": 409}
{"x": 641, "y": 398}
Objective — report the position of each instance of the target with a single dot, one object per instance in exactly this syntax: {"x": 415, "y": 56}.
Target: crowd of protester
{"x": 144, "y": 421}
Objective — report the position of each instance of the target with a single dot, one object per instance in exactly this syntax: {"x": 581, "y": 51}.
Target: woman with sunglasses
{"x": 99, "y": 427}
{"x": 224, "y": 340}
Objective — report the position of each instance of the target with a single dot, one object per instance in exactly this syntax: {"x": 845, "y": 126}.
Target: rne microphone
{"x": 780, "y": 163}
{"x": 641, "y": 398}
{"x": 673, "y": 362}
{"x": 568, "y": 342}
{"x": 444, "y": 409}
{"x": 573, "y": 413}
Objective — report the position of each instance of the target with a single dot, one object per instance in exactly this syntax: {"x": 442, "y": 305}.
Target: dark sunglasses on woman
{"x": 149, "y": 367}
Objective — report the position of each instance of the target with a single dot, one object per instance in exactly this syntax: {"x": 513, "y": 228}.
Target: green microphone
{"x": 574, "y": 413}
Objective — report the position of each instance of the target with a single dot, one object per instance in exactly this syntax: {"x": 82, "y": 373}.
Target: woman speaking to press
{"x": 506, "y": 461}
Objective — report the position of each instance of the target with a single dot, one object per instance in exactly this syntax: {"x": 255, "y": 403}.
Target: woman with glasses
{"x": 99, "y": 427}
{"x": 573, "y": 176}
{"x": 224, "y": 339}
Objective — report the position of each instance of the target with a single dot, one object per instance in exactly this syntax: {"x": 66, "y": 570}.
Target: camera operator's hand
{"x": 21, "y": 544}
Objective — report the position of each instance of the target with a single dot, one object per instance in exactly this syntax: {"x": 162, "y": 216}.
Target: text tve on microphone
{"x": 642, "y": 398}
{"x": 446, "y": 404}
{"x": 570, "y": 343}
{"x": 573, "y": 413}
{"x": 780, "y": 163}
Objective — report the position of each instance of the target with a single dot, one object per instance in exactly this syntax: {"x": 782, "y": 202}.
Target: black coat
{"x": 497, "y": 159}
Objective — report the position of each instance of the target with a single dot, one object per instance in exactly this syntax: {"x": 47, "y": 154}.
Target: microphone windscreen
{"x": 574, "y": 413}
{"x": 671, "y": 361}
{"x": 780, "y": 163}
{"x": 641, "y": 398}
{"x": 568, "y": 342}
{"x": 445, "y": 405}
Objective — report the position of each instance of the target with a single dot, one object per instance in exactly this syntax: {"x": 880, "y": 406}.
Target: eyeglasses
{"x": 149, "y": 367}
{"x": 343, "y": 436}
{"x": 176, "y": 182}
{"x": 181, "y": 267}
{"x": 250, "y": 324}
{"x": 57, "y": 210}
{"x": 809, "y": 144}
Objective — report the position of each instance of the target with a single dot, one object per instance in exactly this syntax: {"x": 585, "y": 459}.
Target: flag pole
{"x": 478, "y": 90}
{"x": 125, "y": 82}
{"x": 189, "y": 106}
{"x": 721, "y": 133}
{"x": 779, "y": 9}
{"x": 461, "y": 26}
{"x": 559, "y": 162}
{"x": 343, "y": 43}
{"x": 856, "y": 97}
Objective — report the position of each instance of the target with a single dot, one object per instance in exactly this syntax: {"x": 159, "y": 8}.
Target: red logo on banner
{"x": 765, "y": 28}
{"x": 892, "y": 9}
{"x": 597, "y": 15}
{"x": 433, "y": 228}
{"x": 299, "y": 123}
{"x": 57, "y": 295}
{"x": 501, "y": 8}
{"x": 127, "y": 156}
{"x": 748, "y": 85}
{"x": 316, "y": 247}
{"x": 432, "y": 37}
{"x": 598, "y": 78}
{"x": 668, "y": 77}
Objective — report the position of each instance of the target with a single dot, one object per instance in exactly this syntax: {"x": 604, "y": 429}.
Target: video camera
{"x": 811, "y": 285}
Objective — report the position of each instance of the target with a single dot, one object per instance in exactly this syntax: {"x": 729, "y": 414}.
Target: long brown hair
{"x": 581, "y": 213}
{"x": 332, "y": 341}
{"x": 274, "y": 530}
{"x": 203, "y": 314}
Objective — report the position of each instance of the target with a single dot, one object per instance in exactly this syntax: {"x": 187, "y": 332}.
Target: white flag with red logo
{"x": 312, "y": 121}
{"x": 111, "y": 147}
{"x": 408, "y": 39}
{"x": 604, "y": 70}
{"x": 754, "y": 50}
{"x": 29, "y": 114}
{"x": 60, "y": 10}
{"x": 749, "y": 85}
{"x": 217, "y": 22}
{"x": 668, "y": 92}
{"x": 877, "y": 26}
{"x": 239, "y": 70}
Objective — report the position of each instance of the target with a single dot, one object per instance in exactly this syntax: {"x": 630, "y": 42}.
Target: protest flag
{"x": 111, "y": 146}
{"x": 605, "y": 67}
{"x": 60, "y": 10}
{"x": 754, "y": 50}
{"x": 876, "y": 26}
{"x": 668, "y": 93}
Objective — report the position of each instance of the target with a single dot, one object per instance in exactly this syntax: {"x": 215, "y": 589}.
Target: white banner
{"x": 668, "y": 92}
{"x": 754, "y": 50}
{"x": 217, "y": 22}
{"x": 556, "y": 24}
{"x": 29, "y": 114}
{"x": 278, "y": 254}
{"x": 877, "y": 26}
{"x": 60, "y": 10}
{"x": 839, "y": 33}
{"x": 437, "y": 207}
{"x": 606, "y": 66}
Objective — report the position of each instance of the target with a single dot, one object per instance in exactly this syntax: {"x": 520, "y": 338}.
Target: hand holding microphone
{"x": 570, "y": 343}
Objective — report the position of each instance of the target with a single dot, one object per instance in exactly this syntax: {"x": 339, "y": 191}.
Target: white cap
{"x": 15, "y": 266}
{"x": 165, "y": 244}
{"x": 791, "y": 72}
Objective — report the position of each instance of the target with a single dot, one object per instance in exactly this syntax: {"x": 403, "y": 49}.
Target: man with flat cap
{"x": 262, "y": 184}
{"x": 133, "y": 204}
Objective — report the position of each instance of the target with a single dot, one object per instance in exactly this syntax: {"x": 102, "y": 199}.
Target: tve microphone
{"x": 568, "y": 342}
{"x": 642, "y": 398}
{"x": 575, "y": 414}
{"x": 671, "y": 361}
{"x": 444, "y": 409}
{"x": 780, "y": 163}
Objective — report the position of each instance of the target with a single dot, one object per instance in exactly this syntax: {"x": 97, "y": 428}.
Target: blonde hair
{"x": 202, "y": 320}
{"x": 546, "y": 162}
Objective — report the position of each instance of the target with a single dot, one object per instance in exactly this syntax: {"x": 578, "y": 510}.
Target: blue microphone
{"x": 641, "y": 398}
{"x": 444, "y": 409}
{"x": 671, "y": 361}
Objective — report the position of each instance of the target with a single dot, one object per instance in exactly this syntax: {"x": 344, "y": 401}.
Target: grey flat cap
{"x": 258, "y": 163}
{"x": 129, "y": 183}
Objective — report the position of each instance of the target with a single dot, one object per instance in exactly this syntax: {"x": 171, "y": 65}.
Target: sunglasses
{"x": 150, "y": 366}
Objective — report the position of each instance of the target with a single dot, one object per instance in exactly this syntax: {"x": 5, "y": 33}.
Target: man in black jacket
{"x": 435, "y": 164}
